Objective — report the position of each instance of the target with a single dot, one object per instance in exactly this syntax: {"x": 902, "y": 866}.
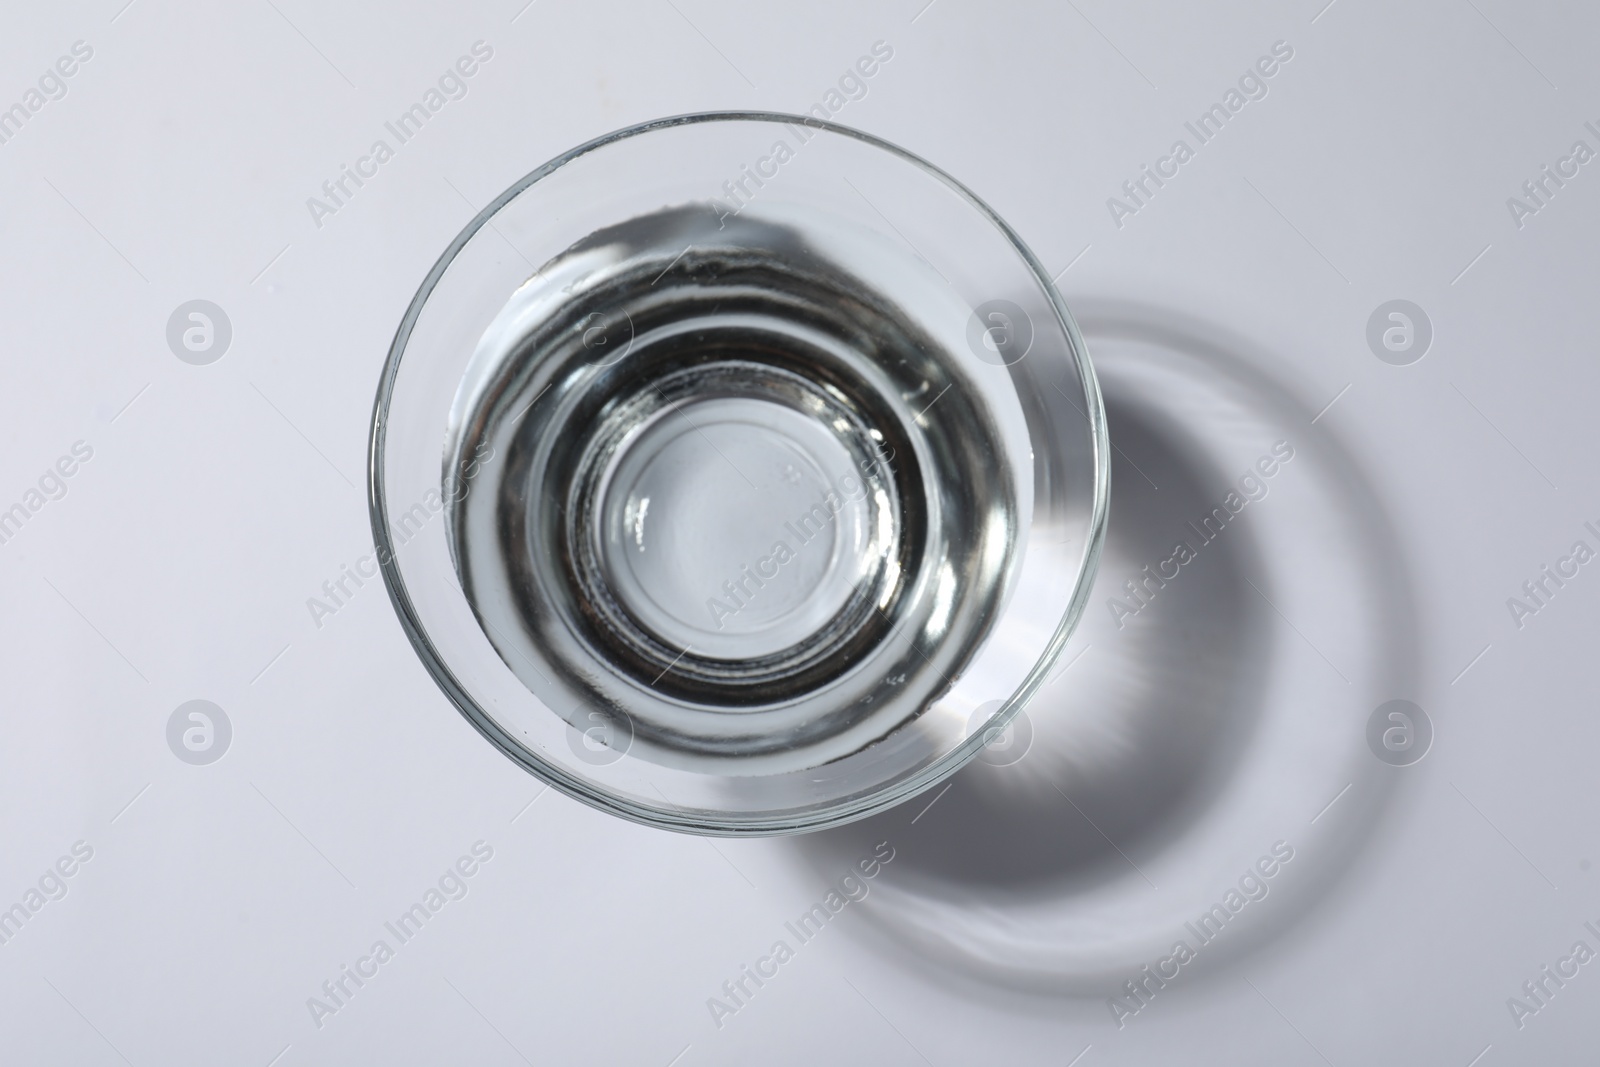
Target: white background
{"x": 220, "y": 497}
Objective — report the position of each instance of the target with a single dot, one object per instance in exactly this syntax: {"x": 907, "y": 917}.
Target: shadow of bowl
{"x": 1250, "y": 611}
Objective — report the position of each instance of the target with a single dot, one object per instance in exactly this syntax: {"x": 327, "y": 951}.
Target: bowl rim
{"x": 668, "y": 816}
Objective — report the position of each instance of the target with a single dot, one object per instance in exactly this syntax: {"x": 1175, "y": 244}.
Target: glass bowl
{"x": 738, "y": 473}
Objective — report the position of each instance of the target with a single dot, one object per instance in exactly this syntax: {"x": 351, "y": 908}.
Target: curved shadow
{"x": 1177, "y": 715}
{"x": 1135, "y": 746}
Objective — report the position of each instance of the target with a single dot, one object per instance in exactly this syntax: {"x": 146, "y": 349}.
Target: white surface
{"x": 179, "y": 563}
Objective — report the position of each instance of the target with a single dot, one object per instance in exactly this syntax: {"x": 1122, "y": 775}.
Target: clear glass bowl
{"x": 738, "y": 473}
